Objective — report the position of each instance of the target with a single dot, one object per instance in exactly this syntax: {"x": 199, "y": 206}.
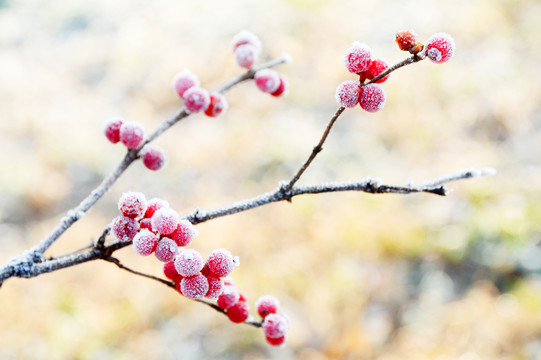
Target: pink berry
{"x": 194, "y": 287}
{"x": 378, "y": 66}
{"x": 216, "y": 286}
{"x": 440, "y": 47}
{"x": 145, "y": 242}
{"x": 154, "y": 157}
{"x": 245, "y": 37}
{"x": 183, "y": 81}
{"x": 275, "y": 341}
{"x": 239, "y": 312}
{"x": 132, "y": 134}
{"x": 229, "y": 297}
{"x": 125, "y": 228}
{"x": 132, "y": 204}
{"x": 145, "y": 224}
{"x": 196, "y": 99}
{"x": 170, "y": 272}
{"x": 166, "y": 250}
{"x": 347, "y": 93}
{"x": 267, "y": 304}
{"x": 153, "y": 205}
{"x": 267, "y": 80}
{"x": 282, "y": 88}
{"x": 111, "y": 129}
{"x": 165, "y": 221}
{"x": 189, "y": 262}
{"x": 218, "y": 104}
{"x": 274, "y": 326}
{"x": 246, "y": 55}
{"x": 184, "y": 233}
{"x": 357, "y": 57}
{"x": 372, "y": 98}
{"x": 221, "y": 262}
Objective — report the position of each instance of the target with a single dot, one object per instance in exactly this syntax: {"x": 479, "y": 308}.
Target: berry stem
{"x": 411, "y": 60}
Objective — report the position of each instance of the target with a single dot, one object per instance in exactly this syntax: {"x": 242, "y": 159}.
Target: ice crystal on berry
{"x": 166, "y": 250}
{"x": 194, "y": 287}
{"x": 347, "y": 93}
{"x": 124, "y": 228}
{"x": 196, "y": 99}
{"x": 357, "y": 57}
{"x": 131, "y": 134}
{"x": 220, "y": 262}
{"x": 372, "y": 98}
{"x": 132, "y": 204}
{"x": 440, "y": 47}
{"x": 183, "y": 81}
{"x": 165, "y": 220}
{"x": 111, "y": 129}
{"x": 189, "y": 262}
{"x": 184, "y": 233}
{"x": 154, "y": 157}
{"x": 145, "y": 242}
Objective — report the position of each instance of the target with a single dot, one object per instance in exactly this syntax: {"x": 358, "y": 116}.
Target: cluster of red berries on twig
{"x": 359, "y": 60}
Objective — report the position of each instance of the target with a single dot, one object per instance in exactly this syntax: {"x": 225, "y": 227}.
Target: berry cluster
{"x": 132, "y": 135}
{"x": 196, "y": 99}
{"x": 359, "y": 60}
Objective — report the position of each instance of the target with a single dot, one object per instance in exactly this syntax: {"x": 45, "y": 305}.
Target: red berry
{"x": 229, "y": 297}
{"x": 378, "y": 66}
{"x": 165, "y": 221}
{"x": 111, "y": 129}
{"x": 276, "y": 341}
{"x": 218, "y": 104}
{"x": 153, "y": 205}
{"x": 124, "y": 228}
{"x": 284, "y": 85}
{"x": 221, "y": 262}
{"x": 183, "y": 81}
{"x": 216, "y": 286}
{"x": 196, "y": 99}
{"x": 357, "y": 58}
{"x": 440, "y": 47}
{"x": 145, "y": 242}
{"x": 405, "y": 39}
{"x": 132, "y": 134}
{"x": 245, "y": 37}
{"x": 166, "y": 250}
{"x": 239, "y": 312}
{"x": 170, "y": 272}
{"x": 267, "y": 80}
{"x": 194, "y": 287}
{"x": 246, "y": 55}
{"x": 189, "y": 262}
{"x": 372, "y": 98}
{"x": 145, "y": 224}
{"x": 154, "y": 157}
{"x": 267, "y": 304}
{"x": 274, "y": 326}
{"x": 347, "y": 93}
{"x": 206, "y": 270}
{"x": 132, "y": 204}
{"x": 184, "y": 233}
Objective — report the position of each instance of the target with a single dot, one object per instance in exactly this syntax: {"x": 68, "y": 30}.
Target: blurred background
{"x": 361, "y": 276}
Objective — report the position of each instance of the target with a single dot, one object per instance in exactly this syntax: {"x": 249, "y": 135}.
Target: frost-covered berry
{"x": 377, "y": 66}
{"x": 357, "y": 57}
{"x": 372, "y": 98}
{"x": 229, "y": 297}
{"x": 347, "y": 93}
{"x": 154, "y": 157}
{"x": 132, "y": 134}
{"x": 165, "y": 221}
{"x": 275, "y": 341}
{"x": 282, "y": 88}
{"x": 184, "y": 233}
{"x": 145, "y": 242}
{"x": 267, "y": 80}
{"x": 216, "y": 286}
{"x": 166, "y": 250}
{"x": 245, "y": 37}
{"x": 145, "y": 224}
{"x": 274, "y": 326}
{"x": 124, "y": 228}
{"x": 267, "y": 304}
{"x": 170, "y": 272}
{"x": 189, "y": 262}
{"x": 111, "y": 129}
{"x": 194, "y": 287}
{"x": 440, "y": 47}
{"x": 221, "y": 262}
{"x": 218, "y": 105}
{"x": 183, "y": 81}
{"x": 239, "y": 312}
{"x": 132, "y": 204}
{"x": 153, "y": 205}
{"x": 246, "y": 55}
{"x": 196, "y": 99}
{"x": 405, "y": 39}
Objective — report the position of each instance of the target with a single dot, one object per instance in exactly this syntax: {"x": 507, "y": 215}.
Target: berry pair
{"x": 440, "y": 47}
